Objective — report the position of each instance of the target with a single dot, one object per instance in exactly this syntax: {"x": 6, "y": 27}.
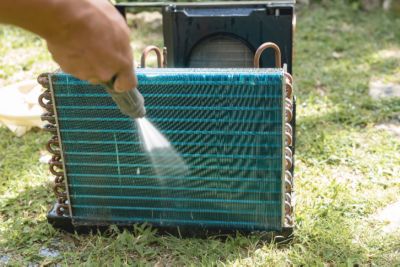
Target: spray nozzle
{"x": 130, "y": 102}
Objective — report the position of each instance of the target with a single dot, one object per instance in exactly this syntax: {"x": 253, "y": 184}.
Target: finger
{"x": 126, "y": 80}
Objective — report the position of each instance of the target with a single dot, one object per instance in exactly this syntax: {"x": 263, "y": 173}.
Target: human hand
{"x": 93, "y": 44}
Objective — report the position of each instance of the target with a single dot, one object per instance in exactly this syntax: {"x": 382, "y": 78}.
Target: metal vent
{"x": 221, "y": 52}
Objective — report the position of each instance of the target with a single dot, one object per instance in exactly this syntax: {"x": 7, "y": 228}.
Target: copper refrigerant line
{"x": 53, "y": 146}
{"x": 288, "y": 128}
{"x": 161, "y": 56}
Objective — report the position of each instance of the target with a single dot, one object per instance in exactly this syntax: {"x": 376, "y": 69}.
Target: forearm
{"x": 47, "y": 18}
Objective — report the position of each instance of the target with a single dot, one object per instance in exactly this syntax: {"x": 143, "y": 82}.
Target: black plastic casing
{"x": 185, "y": 26}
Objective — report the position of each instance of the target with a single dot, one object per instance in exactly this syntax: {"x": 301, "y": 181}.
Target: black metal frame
{"x": 65, "y": 223}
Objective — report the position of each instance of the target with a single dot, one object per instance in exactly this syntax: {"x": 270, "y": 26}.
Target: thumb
{"x": 126, "y": 80}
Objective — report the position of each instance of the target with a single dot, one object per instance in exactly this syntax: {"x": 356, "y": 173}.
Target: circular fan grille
{"x": 221, "y": 52}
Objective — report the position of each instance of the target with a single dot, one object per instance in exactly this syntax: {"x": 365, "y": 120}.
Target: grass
{"x": 347, "y": 168}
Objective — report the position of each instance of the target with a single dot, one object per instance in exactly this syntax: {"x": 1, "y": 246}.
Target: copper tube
{"x": 51, "y": 128}
{"x": 288, "y": 186}
{"x": 289, "y": 114}
{"x": 53, "y": 170}
{"x": 146, "y": 52}
{"x": 289, "y": 90}
{"x": 288, "y": 163}
{"x": 288, "y": 152}
{"x": 165, "y": 54}
{"x": 59, "y": 179}
{"x": 289, "y": 103}
{"x": 48, "y": 116}
{"x": 289, "y": 139}
{"x": 53, "y": 146}
{"x": 46, "y": 105}
{"x": 43, "y": 80}
{"x": 288, "y": 198}
{"x": 288, "y": 128}
{"x": 56, "y": 166}
{"x": 289, "y": 77}
{"x": 288, "y": 220}
{"x": 289, "y": 175}
{"x": 262, "y": 48}
{"x": 59, "y": 190}
{"x": 288, "y": 208}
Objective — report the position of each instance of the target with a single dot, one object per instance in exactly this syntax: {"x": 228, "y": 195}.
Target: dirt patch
{"x": 392, "y": 127}
{"x": 379, "y": 89}
{"x": 389, "y": 53}
{"x": 390, "y": 215}
{"x": 348, "y": 177}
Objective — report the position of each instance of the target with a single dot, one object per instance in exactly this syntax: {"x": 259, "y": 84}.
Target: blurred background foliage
{"x": 354, "y": 4}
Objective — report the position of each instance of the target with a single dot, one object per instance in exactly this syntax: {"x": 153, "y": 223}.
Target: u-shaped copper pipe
{"x": 288, "y": 220}
{"x": 288, "y": 128}
{"x": 289, "y": 90}
{"x": 43, "y": 80}
{"x": 146, "y": 52}
{"x": 289, "y": 175}
{"x": 45, "y": 101}
{"x": 288, "y": 152}
{"x": 289, "y": 139}
{"x": 53, "y": 146}
{"x": 48, "y": 116}
{"x": 56, "y": 169}
{"x": 289, "y": 104}
{"x": 288, "y": 163}
{"x": 288, "y": 208}
{"x": 288, "y": 186}
{"x": 289, "y": 114}
{"x": 260, "y": 51}
{"x": 59, "y": 179}
{"x": 289, "y": 78}
{"x": 59, "y": 190}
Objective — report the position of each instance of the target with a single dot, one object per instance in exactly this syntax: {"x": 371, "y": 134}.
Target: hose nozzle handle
{"x": 130, "y": 103}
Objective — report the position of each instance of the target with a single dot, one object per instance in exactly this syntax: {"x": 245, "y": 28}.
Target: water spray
{"x": 165, "y": 159}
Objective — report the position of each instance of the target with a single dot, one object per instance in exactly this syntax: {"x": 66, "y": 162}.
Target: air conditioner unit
{"x": 224, "y": 34}
{"x": 232, "y": 127}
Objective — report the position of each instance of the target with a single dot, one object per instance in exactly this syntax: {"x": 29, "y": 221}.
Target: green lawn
{"x": 346, "y": 170}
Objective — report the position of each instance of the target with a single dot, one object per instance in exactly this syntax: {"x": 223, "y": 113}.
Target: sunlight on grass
{"x": 22, "y": 56}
